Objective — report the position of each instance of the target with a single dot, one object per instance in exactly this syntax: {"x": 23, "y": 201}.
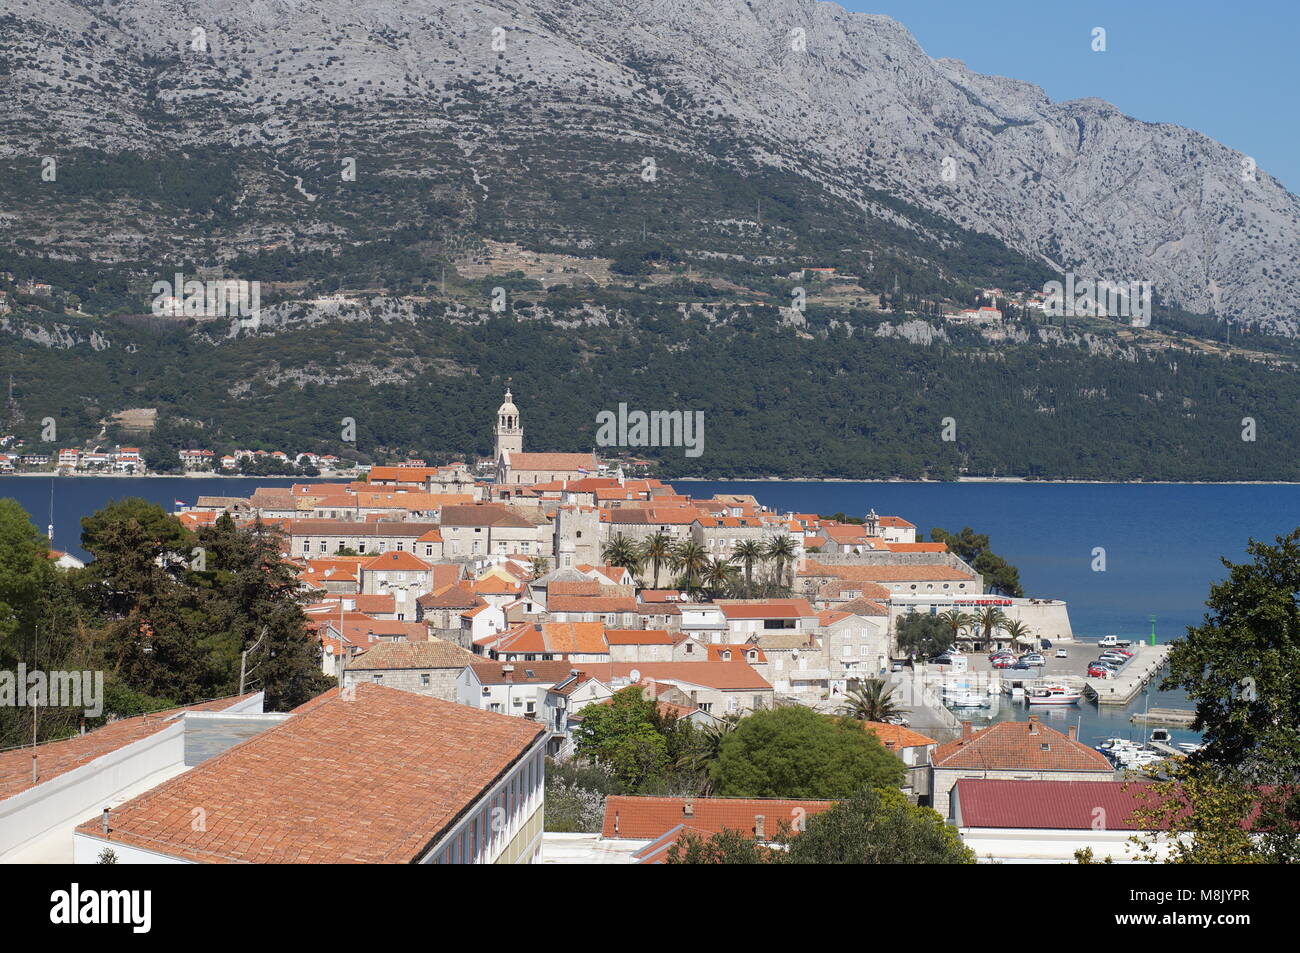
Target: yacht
{"x": 1052, "y": 695}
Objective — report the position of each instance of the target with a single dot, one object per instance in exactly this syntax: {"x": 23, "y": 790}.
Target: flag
{"x": 178, "y": 502}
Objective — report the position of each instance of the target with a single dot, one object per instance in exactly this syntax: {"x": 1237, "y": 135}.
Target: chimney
{"x": 1033, "y": 724}
{"x": 966, "y": 731}
{"x": 615, "y": 822}
{"x": 760, "y": 831}
{"x": 103, "y": 822}
{"x": 688, "y": 808}
{"x": 1074, "y": 733}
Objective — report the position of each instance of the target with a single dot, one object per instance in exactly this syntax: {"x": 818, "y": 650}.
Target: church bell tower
{"x": 509, "y": 432}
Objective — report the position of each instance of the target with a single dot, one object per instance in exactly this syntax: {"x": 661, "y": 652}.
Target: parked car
{"x": 1111, "y": 657}
{"x": 1099, "y": 671}
{"x": 1033, "y": 658}
{"x": 1061, "y": 653}
{"x": 896, "y": 667}
{"x": 941, "y": 660}
{"x": 1045, "y": 643}
{"x": 1022, "y": 667}
{"x": 1004, "y": 661}
{"x": 1114, "y": 640}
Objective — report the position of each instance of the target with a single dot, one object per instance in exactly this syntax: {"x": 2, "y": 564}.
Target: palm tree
{"x": 719, "y": 575}
{"x": 621, "y": 553}
{"x": 748, "y": 552}
{"x": 690, "y": 557}
{"x": 1016, "y": 631}
{"x": 871, "y": 701}
{"x": 956, "y": 620}
{"x": 782, "y": 551}
{"x": 990, "y": 619}
{"x": 706, "y": 747}
{"x": 657, "y": 550}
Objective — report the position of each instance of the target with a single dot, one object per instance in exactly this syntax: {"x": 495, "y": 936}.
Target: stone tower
{"x": 509, "y": 432}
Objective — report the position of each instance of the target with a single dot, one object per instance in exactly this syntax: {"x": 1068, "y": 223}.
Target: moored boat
{"x": 1052, "y": 695}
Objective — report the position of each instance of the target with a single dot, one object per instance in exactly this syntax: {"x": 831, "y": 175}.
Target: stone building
{"x": 426, "y": 668}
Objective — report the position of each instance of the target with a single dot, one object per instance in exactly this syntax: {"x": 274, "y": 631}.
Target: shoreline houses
{"x": 511, "y": 571}
{"x": 439, "y": 598}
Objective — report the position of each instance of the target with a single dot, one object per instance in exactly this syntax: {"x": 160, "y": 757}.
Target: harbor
{"x": 1109, "y": 710}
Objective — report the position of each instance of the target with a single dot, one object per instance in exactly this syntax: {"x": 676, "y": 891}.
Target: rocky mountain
{"x": 731, "y": 131}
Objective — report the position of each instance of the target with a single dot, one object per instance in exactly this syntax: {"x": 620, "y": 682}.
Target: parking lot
{"x": 1076, "y": 664}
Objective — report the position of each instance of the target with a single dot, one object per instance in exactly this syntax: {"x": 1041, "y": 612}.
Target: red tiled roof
{"x": 769, "y": 609}
{"x": 639, "y": 637}
{"x": 1019, "y": 745}
{"x": 894, "y": 737}
{"x": 582, "y": 638}
{"x": 58, "y": 757}
{"x": 724, "y": 676}
{"x": 647, "y": 818}
{"x": 432, "y": 653}
{"x": 1056, "y": 805}
{"x": 396, "y": 560}
{"x": 417, "y": 762}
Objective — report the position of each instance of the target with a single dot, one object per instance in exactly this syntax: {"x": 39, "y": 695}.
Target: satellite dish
{"x": 634, "y": 675}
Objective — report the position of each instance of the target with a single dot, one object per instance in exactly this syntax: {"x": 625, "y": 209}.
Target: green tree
{"x": 657, "y": 551}
{"x": 631, "y": 737}
{"x": 621, "y": 553}
{"x": 999, "y": 575}
{"x": 872, "y": 700}
{"x": 781, "y": 550}
{"x": 257, "y": 607}
{"x": 957, "y": 621}
{"x": 795, "y": 752}
{"x": 728, "y": 846}
{"x": 25, "y": 572}
{"x": 749, "y": 552}
{"x": 877, "y": 826}
{"x": 691, "y": 558}
{"x": 922, "y": 635}
{"x": 1239, "y": 666}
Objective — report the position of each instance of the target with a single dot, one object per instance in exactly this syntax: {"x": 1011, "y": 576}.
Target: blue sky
{"x": 1229, "y": 70}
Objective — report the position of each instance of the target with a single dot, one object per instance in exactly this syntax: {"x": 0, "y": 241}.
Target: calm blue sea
{"x": 1163, "y": 543}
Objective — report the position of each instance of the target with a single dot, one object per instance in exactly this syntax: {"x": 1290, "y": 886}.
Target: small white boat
{"x": 1052, "y": 695}
{"x": 1189, "y": 747}
{"x": 968, "y": 700}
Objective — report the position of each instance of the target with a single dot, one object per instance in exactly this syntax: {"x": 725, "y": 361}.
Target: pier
{"x": 1178, "y": 717}
{"x": 1132, "y": 679}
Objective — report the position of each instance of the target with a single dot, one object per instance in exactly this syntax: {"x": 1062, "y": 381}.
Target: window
{"x": 425, "y": 680}
{"x": 428, "y": 549}
{"x": 324, "y": 546}
{"x": 361, "y": 548}
{"x": 379, "y": 679}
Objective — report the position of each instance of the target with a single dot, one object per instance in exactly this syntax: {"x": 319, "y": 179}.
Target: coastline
{"x": 204, "y": 475}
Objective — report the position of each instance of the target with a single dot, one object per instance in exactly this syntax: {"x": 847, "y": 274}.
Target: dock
{"x": 1178, "y": 717}
{"x": 1132, "y": 680}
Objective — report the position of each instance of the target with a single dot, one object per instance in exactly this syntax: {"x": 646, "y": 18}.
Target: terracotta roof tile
{"x": 414, "y": 763}
{"x": 647, "y": 818}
